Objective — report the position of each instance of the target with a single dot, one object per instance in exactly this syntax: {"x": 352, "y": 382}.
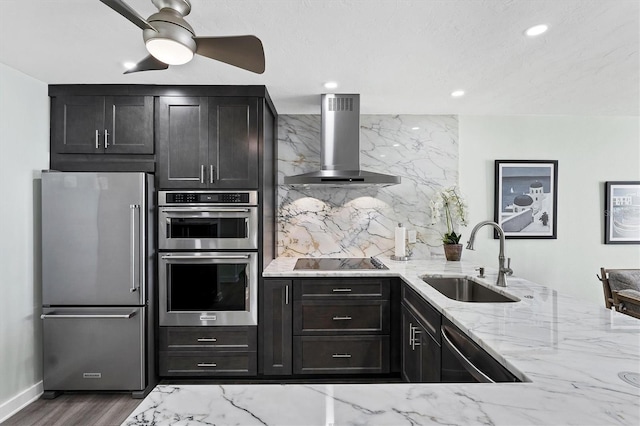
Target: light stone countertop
{"x": 570, "y": 351}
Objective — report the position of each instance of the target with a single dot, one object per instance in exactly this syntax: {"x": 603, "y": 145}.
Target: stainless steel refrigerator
{"x": 97, "y": 266}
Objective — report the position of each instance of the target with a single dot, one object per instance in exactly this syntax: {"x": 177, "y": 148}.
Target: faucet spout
{"x": 502, "y": 270}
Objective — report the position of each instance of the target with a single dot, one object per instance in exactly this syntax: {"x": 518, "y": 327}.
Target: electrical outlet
{"x": 412, "y": 236}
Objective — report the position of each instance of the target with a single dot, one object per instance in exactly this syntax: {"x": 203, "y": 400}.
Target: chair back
{"x": 608, "y": 296}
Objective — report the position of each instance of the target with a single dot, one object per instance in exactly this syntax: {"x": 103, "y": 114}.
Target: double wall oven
{"x": 208, "y": 257}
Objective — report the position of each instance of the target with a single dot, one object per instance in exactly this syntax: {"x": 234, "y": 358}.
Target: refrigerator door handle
{"x": 135, "y": 248}
{"x": 90, "y": 316}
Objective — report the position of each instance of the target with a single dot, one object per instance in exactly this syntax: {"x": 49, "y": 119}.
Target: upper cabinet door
{"x": 183, "y": 140}
{"x": 233, "y": 143}
{"x": 128, "y": 125}
{"x": 77, "y": 124}
{"x": 102, "y": 124}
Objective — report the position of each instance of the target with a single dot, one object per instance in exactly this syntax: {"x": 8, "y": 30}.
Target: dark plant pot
{"x": 453, "y": 251}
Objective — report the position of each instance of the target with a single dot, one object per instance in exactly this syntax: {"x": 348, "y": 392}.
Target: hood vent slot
{"x": 340, "y": 104}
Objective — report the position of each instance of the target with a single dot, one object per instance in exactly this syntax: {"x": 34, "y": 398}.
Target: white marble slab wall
{"x": 359, "y": 220}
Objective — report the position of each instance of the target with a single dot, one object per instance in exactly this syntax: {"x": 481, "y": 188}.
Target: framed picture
{"x": 622, "y": 213}
{"x": 526, "y": 198}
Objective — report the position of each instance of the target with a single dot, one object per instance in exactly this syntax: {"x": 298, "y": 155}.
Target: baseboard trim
{"x": 18, "y": 402}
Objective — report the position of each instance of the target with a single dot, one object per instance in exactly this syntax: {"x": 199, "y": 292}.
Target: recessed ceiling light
{"x": 330, "y": 85}
{"x": 457, "y": 93}
{"x": 536, "y": 30}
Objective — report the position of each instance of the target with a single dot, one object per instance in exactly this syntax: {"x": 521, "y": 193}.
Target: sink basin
{"x": 466, "y": 290}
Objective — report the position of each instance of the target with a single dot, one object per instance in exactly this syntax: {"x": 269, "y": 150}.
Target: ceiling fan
{"x": 170, "y": 40}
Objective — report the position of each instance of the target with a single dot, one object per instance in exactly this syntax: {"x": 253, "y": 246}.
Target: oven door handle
{"x": 204, "y": 209}
{"x": 206, "y": 256}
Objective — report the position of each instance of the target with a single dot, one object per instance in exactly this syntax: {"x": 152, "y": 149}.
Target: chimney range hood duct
{"x": 340, "y": 147}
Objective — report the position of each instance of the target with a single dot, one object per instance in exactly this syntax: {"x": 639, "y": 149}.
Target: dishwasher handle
{"x": 464, "y": 361}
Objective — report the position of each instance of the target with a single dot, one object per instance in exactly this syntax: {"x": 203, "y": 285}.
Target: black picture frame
{"x": 526, "y": 198}
{"x": 622, "y": 212}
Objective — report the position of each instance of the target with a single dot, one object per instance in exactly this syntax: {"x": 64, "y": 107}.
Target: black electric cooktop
{"x": 339, "y": 263}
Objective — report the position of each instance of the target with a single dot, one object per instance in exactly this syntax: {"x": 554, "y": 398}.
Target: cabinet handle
{"x": 207, "y": 339}
{"x": 416, "y": 342}
{"x": 97, "y": 139}
{"x": 207, "y": 364}
{"x": 202, "y": 173}
{"x": 341, "y": 356}
{"x": 106, "y": 139}
{"x": 345, "y": 318}
{"x": 341, "y": 290}
{"x": 286, "y": 294}
{"x": 211, "y": 173}
{"x": 411, "y": 329}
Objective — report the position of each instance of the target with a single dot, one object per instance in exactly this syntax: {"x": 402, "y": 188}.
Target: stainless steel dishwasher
{"x": 463, "y": 361}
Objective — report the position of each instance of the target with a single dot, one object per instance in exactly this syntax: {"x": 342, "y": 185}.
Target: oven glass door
{"x": 208, "y": 228}
{"x": 208, "y": 288}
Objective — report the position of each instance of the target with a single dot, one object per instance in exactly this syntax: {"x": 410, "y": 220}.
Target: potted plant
{"x": 451, "y": 203}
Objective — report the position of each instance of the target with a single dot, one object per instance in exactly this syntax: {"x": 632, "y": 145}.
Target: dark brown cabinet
{"x": 342, "y": 326}
{"x": 338, "y": 354}
{"x": 208, "y": 142}
{"x": 421, "y": 354}
{"x": 102, "y": 124}
{"x": 220, "y": 137}
{"x": 208, "y": 351}
{"x": 276, "y": 312}
{"x": 317, "y": 326}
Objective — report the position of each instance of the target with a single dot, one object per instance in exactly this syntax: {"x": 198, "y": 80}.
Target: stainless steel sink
{"x": 466, "y": 290}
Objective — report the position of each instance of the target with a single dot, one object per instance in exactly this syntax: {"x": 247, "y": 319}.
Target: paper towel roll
{"x": 401, "y": 241}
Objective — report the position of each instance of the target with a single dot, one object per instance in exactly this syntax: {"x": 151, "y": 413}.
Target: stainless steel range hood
{"x": 340, "y": 147}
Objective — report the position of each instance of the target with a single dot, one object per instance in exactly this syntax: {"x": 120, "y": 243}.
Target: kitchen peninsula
{"x": 571, "y": 355}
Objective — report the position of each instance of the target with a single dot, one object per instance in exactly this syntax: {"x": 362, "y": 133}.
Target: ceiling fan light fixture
{"x": 169, "y": 51}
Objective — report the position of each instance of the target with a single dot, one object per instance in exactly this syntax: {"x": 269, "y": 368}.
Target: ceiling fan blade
{"x": 125, "y": 10}
{"x": 148, "y": 64}
{"x": 240, "y": 51}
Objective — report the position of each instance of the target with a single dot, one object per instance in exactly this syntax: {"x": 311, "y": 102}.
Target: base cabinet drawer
{"x": 232, "y": 338}
{"x": 358, "y": 317}
{"x": 376, "y": 288}
{"x": 208, "y": 364}
{"x": 340, "y": 354}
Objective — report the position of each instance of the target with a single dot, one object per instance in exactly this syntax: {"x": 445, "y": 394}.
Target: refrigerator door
{"x": 93, "y": 234}
{"x": 93, "y": 348}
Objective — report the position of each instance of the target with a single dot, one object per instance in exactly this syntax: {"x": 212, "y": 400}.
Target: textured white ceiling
{"x": 402, "y": 56}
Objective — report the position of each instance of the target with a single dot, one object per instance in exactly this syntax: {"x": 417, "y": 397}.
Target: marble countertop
{"x": 570, "y": 352}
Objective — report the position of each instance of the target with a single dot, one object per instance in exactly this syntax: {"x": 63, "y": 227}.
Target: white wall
{"x": 590, "y": 151}
{"x": 24, "y": 151}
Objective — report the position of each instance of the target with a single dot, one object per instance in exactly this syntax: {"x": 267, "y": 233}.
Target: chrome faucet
{"x": 502, "y": 271}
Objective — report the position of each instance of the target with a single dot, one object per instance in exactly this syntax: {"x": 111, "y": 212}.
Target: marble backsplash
{"x": 359, "y": 221}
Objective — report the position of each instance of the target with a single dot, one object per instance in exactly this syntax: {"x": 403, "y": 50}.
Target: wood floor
{"x": 76, "y": 410}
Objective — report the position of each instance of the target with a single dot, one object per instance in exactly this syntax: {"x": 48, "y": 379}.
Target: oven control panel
{"x": 207, "y": 197}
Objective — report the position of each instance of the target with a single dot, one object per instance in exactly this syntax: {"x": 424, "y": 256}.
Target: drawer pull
{"x": 345, "y": 318}
{"x": 207, "y": 339}
{"x": 342, "y": 290}
{"x": 207, "y": 364}
{"x": 341, "y": 355}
